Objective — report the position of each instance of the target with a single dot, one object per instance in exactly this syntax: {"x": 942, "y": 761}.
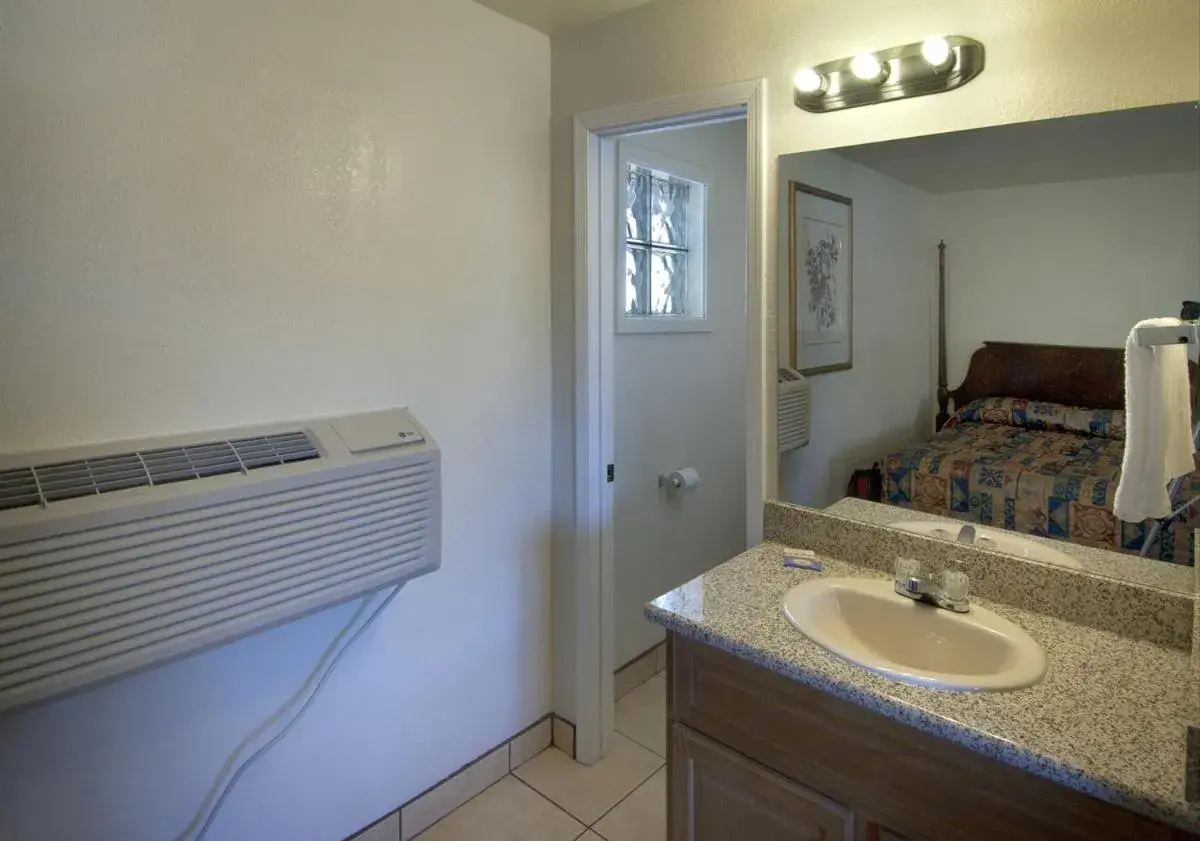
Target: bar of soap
{"x": 802, "y": 559}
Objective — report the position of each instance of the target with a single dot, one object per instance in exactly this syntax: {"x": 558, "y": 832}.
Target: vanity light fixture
{"x": 868, "y": 68}
{"x": 810, "y": 82}
{"x": 937, "y": 64}
{"x": 937, "y": 52}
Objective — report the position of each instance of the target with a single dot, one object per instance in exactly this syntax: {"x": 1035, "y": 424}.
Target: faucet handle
{"x": 906, "y": 568}
{"x": 955, "y": 585}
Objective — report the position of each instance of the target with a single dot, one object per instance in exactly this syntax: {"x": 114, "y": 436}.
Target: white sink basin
{"x": 866, "y": 622}
{"x": 988, "y": 538}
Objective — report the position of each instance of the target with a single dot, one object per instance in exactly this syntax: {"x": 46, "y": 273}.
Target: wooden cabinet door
{"x": 717, "y": 794}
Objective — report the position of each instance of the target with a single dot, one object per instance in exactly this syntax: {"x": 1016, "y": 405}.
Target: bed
{"x": 1034, "y": 444}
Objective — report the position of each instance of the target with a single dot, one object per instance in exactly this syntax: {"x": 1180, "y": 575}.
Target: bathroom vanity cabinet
{"x": 754, "y": 755}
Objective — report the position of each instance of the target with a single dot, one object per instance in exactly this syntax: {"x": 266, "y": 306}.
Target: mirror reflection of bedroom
{"x": 958, "y": 308}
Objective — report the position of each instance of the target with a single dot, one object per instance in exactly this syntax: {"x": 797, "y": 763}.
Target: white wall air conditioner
{"x": 118, "y": 557}
{"x": 793, "y": 411}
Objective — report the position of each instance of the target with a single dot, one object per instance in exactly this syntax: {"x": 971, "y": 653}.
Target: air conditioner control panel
{"x": 378, "y": 430}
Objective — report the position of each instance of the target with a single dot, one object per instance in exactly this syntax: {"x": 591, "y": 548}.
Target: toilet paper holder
{"x": 685, "y": 478}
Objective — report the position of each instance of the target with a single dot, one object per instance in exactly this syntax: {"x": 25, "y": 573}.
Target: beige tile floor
{"x": 623, "y": 797}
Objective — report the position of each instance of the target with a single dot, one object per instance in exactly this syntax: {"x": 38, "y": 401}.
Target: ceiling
{"x": 552, "y": 16}
{"x": 1141, "y": 141}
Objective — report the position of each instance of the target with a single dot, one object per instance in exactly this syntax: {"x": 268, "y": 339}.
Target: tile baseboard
{"x": 639, "y": 670}
{"x": 443, "y": 797}
{"x": 384, "y": 829}
{"x": 563, "y": 736}
{"x": 531, "y": 741}
{"x": 426, "y": 809}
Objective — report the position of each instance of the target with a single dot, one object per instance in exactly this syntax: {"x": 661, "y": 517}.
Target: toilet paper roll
{"x": 685, "y": 478}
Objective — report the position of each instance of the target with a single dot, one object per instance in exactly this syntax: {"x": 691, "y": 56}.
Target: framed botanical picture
{"x": 820, "y": 279}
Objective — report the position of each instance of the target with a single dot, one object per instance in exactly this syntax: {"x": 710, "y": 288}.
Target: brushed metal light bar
{"x": 931, "y": 66}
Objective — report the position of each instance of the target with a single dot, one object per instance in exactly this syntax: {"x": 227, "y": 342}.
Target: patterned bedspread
{"x": 1036, "y": 468}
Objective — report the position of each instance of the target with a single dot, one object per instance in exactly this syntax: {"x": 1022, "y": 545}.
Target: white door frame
{"x": 593, "y": 558}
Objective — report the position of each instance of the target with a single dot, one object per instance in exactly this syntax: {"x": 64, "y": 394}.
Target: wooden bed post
{"x": 943, "y": 389}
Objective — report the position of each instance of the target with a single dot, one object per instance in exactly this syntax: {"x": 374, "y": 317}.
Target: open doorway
{"x": 670, "y": 370}
{"x": 679, "y": 365}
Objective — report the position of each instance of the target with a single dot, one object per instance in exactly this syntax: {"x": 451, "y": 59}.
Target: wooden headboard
{"x": 1074, "y": 376}
{"x": 1093, "y": 377}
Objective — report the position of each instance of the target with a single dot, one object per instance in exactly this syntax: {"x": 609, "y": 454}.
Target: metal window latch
{"x": 611, "y": 472}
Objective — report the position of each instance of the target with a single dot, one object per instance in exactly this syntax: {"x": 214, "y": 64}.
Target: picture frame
{"x": 820, "y": 279}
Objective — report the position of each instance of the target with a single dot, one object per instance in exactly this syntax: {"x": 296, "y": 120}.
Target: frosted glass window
{"x": 657, "y": 220}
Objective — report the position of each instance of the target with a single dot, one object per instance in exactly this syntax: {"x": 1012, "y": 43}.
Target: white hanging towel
{"x": 1158, "y": 425}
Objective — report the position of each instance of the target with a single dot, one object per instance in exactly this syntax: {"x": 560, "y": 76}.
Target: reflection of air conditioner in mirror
{"x": 117, "y": 557}
{"x": 794, "y": 410}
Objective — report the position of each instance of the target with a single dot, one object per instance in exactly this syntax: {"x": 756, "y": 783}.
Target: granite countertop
{"x": 1110, "y": 718}
{"x": 1177, "y": 578}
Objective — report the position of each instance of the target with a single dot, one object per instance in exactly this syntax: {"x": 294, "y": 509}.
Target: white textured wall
{"x": 222, "y": 212}
{"x": 679, "y": 403}
{"x": 1072, "y": 263}
{"x": 886, "y": 401}
{"x": 1044, "y": 59}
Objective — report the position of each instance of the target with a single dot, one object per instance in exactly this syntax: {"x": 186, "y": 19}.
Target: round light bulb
{"x": 809, "y": 81}
{"x": 866, "y": 67}
{"x": 937, "y": 52}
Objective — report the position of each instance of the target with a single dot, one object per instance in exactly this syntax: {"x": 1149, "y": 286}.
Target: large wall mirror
{"x": 1058, "y": 237}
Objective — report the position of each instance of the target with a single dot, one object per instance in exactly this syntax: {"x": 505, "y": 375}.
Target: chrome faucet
{"x": 949, "y": 594}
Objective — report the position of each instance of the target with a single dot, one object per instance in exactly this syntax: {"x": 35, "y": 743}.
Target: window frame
{"x": 699, "y": 200}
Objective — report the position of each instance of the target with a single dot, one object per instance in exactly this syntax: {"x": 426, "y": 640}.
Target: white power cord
{"x": 231, "y": 771}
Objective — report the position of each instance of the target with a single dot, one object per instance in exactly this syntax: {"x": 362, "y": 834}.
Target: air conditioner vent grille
{"x": 110, "y": 583}
{"x": 18, "y": 488}
{"x": 46, "y": 483}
